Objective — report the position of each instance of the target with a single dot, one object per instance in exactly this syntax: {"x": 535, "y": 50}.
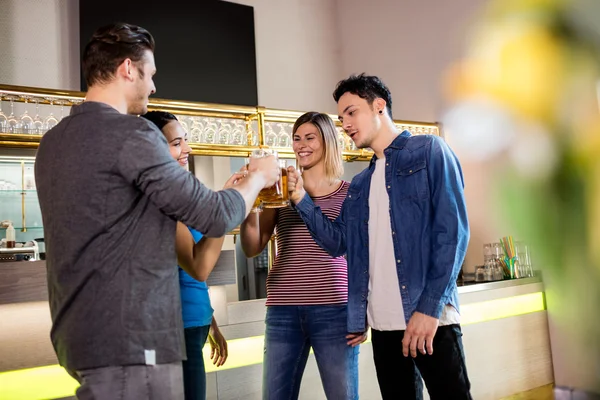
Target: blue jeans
{"x": 291, "y": 332}
{"x": 194, "y": 373}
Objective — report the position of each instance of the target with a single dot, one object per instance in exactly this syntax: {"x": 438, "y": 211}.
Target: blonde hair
{"x": 334, "y": 168}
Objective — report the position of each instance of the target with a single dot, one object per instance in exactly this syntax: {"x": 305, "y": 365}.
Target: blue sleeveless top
{"x": 195, "y": 303}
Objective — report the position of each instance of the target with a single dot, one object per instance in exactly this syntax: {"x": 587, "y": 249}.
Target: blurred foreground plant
{"x": 527, "y": 98}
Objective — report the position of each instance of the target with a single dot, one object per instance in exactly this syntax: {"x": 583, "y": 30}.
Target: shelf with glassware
{"x": 18, "y": 198}
{"x": 26, "y": 113}
{"x": 505, "y": 260}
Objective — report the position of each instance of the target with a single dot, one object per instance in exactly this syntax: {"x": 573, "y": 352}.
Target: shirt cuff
{"x": 431, "y": 306}
{"x": 306, "y": 205}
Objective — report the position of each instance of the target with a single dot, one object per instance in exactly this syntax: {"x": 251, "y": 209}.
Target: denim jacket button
{"x": 403, "y": 287}
{"x": 398, "y": 261}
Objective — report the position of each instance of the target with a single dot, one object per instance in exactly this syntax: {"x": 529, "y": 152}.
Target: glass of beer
{"x": 276, "y": 196}
{"x": 257, "y": 206}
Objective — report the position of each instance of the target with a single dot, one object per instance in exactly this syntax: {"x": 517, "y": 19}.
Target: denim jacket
{"x": 430, "y": 230}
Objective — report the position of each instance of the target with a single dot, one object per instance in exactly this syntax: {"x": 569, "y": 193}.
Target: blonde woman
{"x": 307, "y": 289}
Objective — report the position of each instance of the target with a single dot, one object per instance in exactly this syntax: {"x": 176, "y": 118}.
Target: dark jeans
{"x": 194, "y": 373}
{"x": 444, "y": 372}
{"x": 131, "y": 382}
{"x": 291, "y": 332}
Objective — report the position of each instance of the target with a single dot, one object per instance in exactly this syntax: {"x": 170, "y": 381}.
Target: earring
{"x": 380, "y": 111}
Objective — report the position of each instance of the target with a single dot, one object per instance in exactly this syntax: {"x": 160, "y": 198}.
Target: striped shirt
{"x": 303, "y": 273}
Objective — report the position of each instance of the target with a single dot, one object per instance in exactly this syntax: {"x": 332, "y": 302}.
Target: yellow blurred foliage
{"x": 521, "y": 66}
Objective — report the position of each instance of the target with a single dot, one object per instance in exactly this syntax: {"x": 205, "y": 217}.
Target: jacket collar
{"x": 398, "y": 143}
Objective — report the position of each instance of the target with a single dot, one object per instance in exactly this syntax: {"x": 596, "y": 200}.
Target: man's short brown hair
{"x": 110, "y": 46}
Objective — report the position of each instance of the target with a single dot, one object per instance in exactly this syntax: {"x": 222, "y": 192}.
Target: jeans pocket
{"x": 457, "y": 331}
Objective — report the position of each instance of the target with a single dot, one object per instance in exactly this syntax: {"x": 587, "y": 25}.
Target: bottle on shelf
{"x": 10, "y": 236}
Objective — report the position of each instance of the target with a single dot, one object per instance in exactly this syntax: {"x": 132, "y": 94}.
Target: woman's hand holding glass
{"x": 295, "y": 185}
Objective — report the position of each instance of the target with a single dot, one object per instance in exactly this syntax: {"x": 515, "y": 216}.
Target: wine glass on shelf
{"x": 271, "y": 136}
{"x": 3, "y": 117}
{"x": 252, "y": 132}
{"x": 341, "y": 139}
{"x": 238, "y": 135}
{"x": 13, "y": 124}
{"x": 26, "y": 120}
{"x": 38, "y": 122}
{"x": 190, "y": 121}
{"x": 61, "y": 103}
{"x": 224, "y": 136}
{"x": 284, "y": 136}
{"x": 212, "y": 129}
{"x": 184, "y": 124}
{"x": 50, "y": 121}
{"x": 348, "y": 143}
{"x": 197, "y": 132}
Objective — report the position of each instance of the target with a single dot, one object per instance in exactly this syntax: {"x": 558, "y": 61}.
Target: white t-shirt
{"x": 385, "y": 311}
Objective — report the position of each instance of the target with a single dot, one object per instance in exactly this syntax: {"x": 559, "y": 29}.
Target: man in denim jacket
{"x": 404, "y": 230}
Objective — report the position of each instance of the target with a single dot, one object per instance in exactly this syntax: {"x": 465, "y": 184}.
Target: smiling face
{"x": 308, "y": 145}
{"x": 177, "y": 138}
{"x": 359, "y": 119}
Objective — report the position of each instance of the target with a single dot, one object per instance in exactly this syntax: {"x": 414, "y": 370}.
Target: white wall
{"x": 39, "y": 43}
{"x": 408, "y": 44}
{"x": 298, "y": 57}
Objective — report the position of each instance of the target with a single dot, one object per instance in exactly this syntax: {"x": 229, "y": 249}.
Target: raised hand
{"x": 268, "y": 167}
{"x": 234, "y": 179}
{"x": 295, "y": 185}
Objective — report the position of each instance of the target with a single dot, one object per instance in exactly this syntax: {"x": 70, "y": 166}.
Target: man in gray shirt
{"x": 110, "y": 195}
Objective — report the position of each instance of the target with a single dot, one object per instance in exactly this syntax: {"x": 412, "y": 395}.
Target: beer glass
{"x": 276, "y": 196}
{"x": 257, "y": 206}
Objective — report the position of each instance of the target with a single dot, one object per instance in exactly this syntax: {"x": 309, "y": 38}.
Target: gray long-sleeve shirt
{"x": 110, "y": 195}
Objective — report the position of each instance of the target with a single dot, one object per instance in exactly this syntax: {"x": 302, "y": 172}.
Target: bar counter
{"x": 505, "y": 330}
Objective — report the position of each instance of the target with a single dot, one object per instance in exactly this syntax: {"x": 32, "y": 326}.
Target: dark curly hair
{"x": 159, "y": 118}
{"x": 366, "y": 87}
{"x": 109, "y": 47}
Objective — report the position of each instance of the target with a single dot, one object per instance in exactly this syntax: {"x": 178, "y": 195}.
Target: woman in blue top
{"x": 193, "y": 250}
